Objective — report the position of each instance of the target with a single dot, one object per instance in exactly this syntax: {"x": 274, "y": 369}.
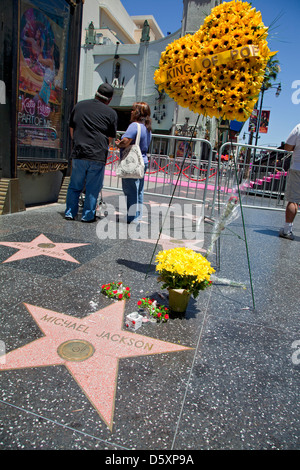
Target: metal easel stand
{"x": 217, "y": 243}
{"x": 244, "y": 230}
{"x": 172, "y": 195}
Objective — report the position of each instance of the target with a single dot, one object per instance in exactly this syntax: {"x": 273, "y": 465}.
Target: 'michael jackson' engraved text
{"x": 105, "y": 335}
{"x": 66, "y": 323}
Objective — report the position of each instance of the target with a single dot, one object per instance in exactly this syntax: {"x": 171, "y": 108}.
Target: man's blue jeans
{"x": 86, "y": 174}
{"x": 134, "y": 192}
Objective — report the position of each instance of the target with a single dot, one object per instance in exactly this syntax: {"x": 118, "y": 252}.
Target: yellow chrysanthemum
{"x": 227, "y": 89}
{"x": 183, "y": 268}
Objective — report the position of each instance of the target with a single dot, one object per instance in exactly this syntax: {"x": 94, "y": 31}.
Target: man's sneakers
{"x": 69, "y": 217}
{"x": 288, "y": 235}
{"x": 89, "y": 221}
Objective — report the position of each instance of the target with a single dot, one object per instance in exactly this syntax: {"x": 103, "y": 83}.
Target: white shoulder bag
{"x": 132, "y": 163}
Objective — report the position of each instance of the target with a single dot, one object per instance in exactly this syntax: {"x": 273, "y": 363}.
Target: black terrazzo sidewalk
{"x": 235, "y": 383}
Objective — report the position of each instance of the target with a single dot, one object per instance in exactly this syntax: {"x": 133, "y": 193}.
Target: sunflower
{"x": 216, "y": 72}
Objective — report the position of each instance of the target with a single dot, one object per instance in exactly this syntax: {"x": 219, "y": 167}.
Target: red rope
{"x": 164, "y": 169}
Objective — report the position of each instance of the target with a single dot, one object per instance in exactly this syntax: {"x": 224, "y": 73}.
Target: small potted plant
{"x": 184, "y": 273}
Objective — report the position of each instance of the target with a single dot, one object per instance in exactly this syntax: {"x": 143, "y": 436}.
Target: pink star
{"x": 41, "y": 246}
{"x": 100, "y": 342}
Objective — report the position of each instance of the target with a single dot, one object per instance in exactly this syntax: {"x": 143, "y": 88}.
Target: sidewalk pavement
{"x": 223, "y": 376}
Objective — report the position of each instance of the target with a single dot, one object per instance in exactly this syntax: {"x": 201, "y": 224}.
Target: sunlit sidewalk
{"x": 224, "y": 375}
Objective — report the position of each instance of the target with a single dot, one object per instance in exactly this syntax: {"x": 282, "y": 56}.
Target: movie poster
{"x": 264, "y": 122}
{"x": 43, "y": 41}
{"x": 253, "y": 121}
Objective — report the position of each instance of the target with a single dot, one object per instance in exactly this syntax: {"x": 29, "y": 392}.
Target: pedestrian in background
{"x": 93, "y": 126}
{"x": 134, "y": 188}
{"x": 292, "y": 192}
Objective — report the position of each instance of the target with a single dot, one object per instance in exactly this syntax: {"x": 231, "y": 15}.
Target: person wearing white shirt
{"x": 292, "y": 193}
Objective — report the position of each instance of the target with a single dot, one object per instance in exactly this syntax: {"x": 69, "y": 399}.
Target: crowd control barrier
{"x": 191, "y": 169}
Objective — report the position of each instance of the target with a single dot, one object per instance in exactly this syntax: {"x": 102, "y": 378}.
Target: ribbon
{"x": 243, "y": 52}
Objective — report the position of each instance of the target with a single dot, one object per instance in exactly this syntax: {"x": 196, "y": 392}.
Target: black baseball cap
{"x": 105, "y": 91}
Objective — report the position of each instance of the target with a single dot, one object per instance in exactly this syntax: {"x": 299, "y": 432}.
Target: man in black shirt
{"x": 93, "y": 126}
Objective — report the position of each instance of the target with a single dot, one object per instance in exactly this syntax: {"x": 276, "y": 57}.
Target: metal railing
{"x": 190, "y": 173}
{"x": 260, "y": 172}
{"x": 190, "y": 169}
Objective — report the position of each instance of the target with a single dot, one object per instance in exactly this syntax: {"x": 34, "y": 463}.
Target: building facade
{"x": 125, "y": 50}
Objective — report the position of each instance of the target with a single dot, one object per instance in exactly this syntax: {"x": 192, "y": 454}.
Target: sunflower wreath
{"x": 218, "y": 71}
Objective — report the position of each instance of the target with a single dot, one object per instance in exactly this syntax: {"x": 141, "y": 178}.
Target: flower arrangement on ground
{"x": 159, "y": 312}
{"x": 116, "y": 290}
{"x": 183, "y": 268}
{"x": 218, "y": 71}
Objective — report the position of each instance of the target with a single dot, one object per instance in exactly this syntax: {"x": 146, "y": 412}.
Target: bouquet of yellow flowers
{"x": 183, "y": 268}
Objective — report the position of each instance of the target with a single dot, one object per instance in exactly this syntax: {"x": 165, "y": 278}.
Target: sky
{"x": 282, "y": 18}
